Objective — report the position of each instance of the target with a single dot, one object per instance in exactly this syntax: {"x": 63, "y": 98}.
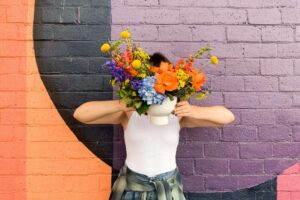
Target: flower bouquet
{"x": 141, "y": 85}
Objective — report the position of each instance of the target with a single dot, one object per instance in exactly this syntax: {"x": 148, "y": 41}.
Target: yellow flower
{"x": 125, "y": 34}
{"x": 214, "y": 60}
{"x": 133, "y": 94}
{"x": 136, "y": 64}
{"x": 142, "y": 75}
{"x": 105, "y": 48}
{"x": 126, "y": 81}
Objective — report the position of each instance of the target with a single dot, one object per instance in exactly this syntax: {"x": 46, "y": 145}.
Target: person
{"x": 150, "y": 170}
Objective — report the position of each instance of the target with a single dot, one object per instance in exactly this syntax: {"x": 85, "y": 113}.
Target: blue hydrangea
{"x": 148, "y": 93}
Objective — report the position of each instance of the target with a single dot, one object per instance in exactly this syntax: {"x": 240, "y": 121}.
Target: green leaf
{"x": 138, "y": 104}
{"x": 143, "y": 108}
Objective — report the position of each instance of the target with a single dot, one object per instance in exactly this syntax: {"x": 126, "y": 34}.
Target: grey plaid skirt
{"x": 131, "y": 185}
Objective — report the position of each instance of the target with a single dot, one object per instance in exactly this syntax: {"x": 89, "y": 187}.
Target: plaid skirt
{"x": 131, "y": 185}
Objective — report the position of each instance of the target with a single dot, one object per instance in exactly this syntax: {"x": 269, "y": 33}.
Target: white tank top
{"x": 151, "y": 149}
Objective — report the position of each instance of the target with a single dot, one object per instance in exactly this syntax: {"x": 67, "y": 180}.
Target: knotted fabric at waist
{"x": 168, "y": 185}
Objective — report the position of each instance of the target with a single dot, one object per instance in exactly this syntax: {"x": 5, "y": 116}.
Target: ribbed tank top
{"x": 151, "y": 149}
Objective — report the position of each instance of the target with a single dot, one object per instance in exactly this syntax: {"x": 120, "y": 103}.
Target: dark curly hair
{"x": 157, "y": 57}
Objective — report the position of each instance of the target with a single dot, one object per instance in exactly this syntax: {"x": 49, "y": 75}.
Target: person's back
{"x": 151, "y": 149}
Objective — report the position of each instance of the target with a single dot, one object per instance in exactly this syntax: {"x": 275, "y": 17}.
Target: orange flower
{"x": 166, "y": 81}
{"x": 132, "y": 72}
{"x": 164, "y": 66}
{"x": 198, "y": 79}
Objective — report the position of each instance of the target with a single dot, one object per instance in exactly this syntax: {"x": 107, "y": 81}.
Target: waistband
{"x": 167, "y": 185}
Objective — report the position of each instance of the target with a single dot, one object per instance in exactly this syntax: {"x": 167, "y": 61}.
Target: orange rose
{"x": 166, "y": 81}
{"x": 198, "y": 79}
{"x": 164, "y": 66}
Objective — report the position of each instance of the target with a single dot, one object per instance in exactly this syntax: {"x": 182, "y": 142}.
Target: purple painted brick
{"x": 298, "y": 33}
{"x": 202, "y": 134}
{"x": 175, "y": 33}
{"x": 260, "y": 50}
{"x": 277, "y": 33}
{"x": 237, "y": 117}
{"x": 245, "y": 3}
{"x": 289, "y": 83}
{"x": 215, "y": 98}
{"x": 241, "y": 99}
{"x": 275, "y": 100}
{"x": 240, "y": 133}
{"x": 261, "y": 83}
{"x": 186, "y": 166}
{"x": 196, "y": 16}
{"x": 275, "y": 133}
{"x": 141, "y": 3}
{"x": 283, "y": 3}
{"x": 287, "y": 116}
{"x": 229, "y": 16}
{"x": 243, "y": 33}
{"x": 193, "y": 183}
{"x": 221, "y": 150}
{"x": 208, "y": 33}
{"x": 134, "y": 15}
{"x": 200, "y": 3}
{"x": 138, "y": 32}
{"x": 211, "y": 69}
{"x": 243, "y": 167}
{"x": 296, "y": 133}
{"x": 256, "y": 150}
{"x": 297, "y": 67}
{"x": 276, "y": 66}
{"x": 190, "y": 150}
{"x": 242, "y": 66}
{"x": 287, "y": 150}
{"x": 296, "y": 99}
{"x": 212, "y": 166}
{"x": 289, "y": 50}
{"x": 277, "y": 166}
{"x": 257, "y": 116}
{"x": 229, "y": 50}
{"x": 221, "y": 183}
{"x": 162, "y": 16}
{"x": 248, "y": 181}
{"x": 264, "y": 16}
{"x": 227, "y": 83}
{"x": 290, "y": 15}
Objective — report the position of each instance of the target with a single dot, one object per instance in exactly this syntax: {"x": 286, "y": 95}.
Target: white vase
{"x": 159, "y": 114}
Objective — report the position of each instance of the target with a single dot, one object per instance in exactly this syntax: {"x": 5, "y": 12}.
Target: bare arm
{"x": 101, "y": 112}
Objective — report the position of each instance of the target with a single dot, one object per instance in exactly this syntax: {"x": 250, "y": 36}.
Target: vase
{"x": 158, "y": 114}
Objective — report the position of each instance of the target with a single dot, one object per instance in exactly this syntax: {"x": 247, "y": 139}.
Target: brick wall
{"x": 258, "y": 79}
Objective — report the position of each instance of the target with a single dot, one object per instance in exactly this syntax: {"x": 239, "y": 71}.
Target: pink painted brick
{"x": 296, "y": 133}
{"x": 221, "y": 150}
{"x": 256, "y": 150}
{"x": 296, "y": 99}
{"x": 289, "y": 50}
{"x": 290, "y": 15}
{"x": 289, "y": 83}
{"x": 196, "y": 16}
{"x": 134, "y": 15}
{"x": 239, "y": 133}
{"x": 229, "y": 50}
{"x": 141, "y": 3}
{"x": 298, "y": 33}
{"x": 175, "y": 33}
{"x": 242, "y": 67}
{"x": 162, "y": 16}
{"x": 246, "y": 167}
{"x": 286, "y": 150}
{"x": 212, "y": 166}
{"x": 245, "y": 3}
{"x": 297, "y": 67}
{"x": 257, "y": 116}
{"x": 287, "y": 116}
{"x": 275, "y": 100}
{"x": 230, "y": 16}
{"x": 227, "y": 83}
{"x": 221, "y": 183}
{"x": 261, "y": 83}
{"x": 138, "y": 32}
{"x": 276, "y": 66}
{"x": 241, "y": 99}
{"x": 208, "y": 33}
{"x": 273, "y": 133}
{"x": 215, "y": 98}
{"x": 244, "y": 33}
{"x": 200, "y": 3}
{"x": 277, "y": 33}
{"x": 264, "y": 16}
{"x": 211, "y": 69}
{"x": 260, "y": 50}
{"x": 164, "y": 47}
{"x": 276, "y": 166}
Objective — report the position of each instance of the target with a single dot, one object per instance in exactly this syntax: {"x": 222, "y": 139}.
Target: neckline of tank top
{"x": 135, "y": 112}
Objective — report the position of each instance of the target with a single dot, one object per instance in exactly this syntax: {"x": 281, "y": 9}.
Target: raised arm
{"x": 101, "y": 112}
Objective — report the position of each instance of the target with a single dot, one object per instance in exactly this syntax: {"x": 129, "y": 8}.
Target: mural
{"x": 257, "y": 157}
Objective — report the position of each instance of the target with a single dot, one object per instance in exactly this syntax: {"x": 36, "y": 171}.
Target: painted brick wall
{"x": 258, "y": 78}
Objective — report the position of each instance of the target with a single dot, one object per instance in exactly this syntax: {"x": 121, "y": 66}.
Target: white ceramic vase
{"x": 159, "y": 114}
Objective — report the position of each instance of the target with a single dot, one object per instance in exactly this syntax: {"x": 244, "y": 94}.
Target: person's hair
{"x": 157, "y": 57}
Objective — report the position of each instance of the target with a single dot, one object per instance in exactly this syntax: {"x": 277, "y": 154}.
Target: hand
{"x": 123, "y": 106}
{"x": 183, "y": 108}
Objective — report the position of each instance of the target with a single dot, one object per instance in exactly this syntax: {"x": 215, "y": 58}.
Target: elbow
{"x": 230, "y": 118}
{"x": 78, "y": 116}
